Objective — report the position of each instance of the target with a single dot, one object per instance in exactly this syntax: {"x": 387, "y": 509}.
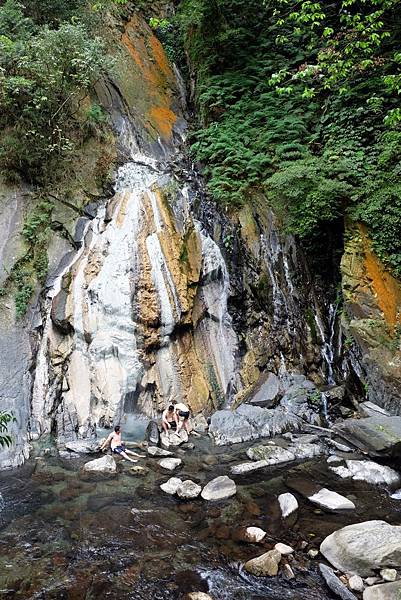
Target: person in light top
{"x": 118, "y": 446}
{"x": 182, "y": 413}
{"x": 169, "y": 418}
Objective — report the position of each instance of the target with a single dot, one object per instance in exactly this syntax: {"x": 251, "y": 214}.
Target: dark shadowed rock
{"x": 335, "y": 584}
{"x": 378, "y": 434}
{"x": 152, "y": 434}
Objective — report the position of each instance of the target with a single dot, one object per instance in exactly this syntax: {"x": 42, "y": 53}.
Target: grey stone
{"x": 199, "y": 423}
{"x": 335, "y": 584}
{"x": 363, "y": 547}
{"x": 356, "y": 583}
{"x": 288, "y": 504}
{"x": 370, "y": 409}
{"x": 388, "y": 574}
{"x": 229, "y": 427}
{"x": 331, "y": 500}
{"x": 170, "y": 464}
{"x": 266, "y": 391}
{"x": 83, "y": 446}
{"x": 171, "y": 486}
{"x": 306, "y": 450}
{"x": 273, "y": 455}
{"x": 198, "y": 596}
{"x": 264, "y": 565}
{"x": 386, "y": 591}
{"x": 173, "y": 439}
{"x": 369, "y": 471}
{"x": 339, "y": 446}
{"x": 188, "y": 490}
{"x": 378, "y": 434}
{"x": 248, "y": 467}
{"x": 152, "y": 434}
{"x": 372, "y": 580}
{"x": 106, "y": 464}
{"x": 155, "y": 451}
{"x": 219, "y": 488}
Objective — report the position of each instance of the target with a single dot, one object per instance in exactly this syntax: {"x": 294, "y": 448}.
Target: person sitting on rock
{"x": 169, "y": 418}
{"x": 117, "y": 445}
{"x": 182, "y": 413}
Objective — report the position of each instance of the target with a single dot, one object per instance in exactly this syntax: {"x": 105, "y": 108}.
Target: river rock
{"x": 288, "y": 572}
{"x": 378, "y": 434}
{"x": 198, "y": 596}
{"x": 356, "y": 583}
{"x": 272, "y": 455}
{"x": 173, "y": 439}
{"x": 152, "y": 434}
{"x": 155, "y": 451}
{"x": 171, "y": 486}
{"x": 284, "y": 549}
{"x": 188, "y": 490}
{"x": 83, "y": 446}
{"x": 105, "y": 464}
{"x": 264, "y": 565}
{"x": 266, "y": 391}
{"x": 248, "y": 467}
{"x": 369, "y": 471}
{"x": 388, "y": 574}
{"x": 219, "y": 488}
{"x": 306, "y": 450}
{"x": 335, "y": 584}
{"x": 363, "y": 547}
{"x": 288, "y": 504}
{"x": 386, "y": 591}
{"x": 370, "y": 409}
{"x": 331, "y": 500}
{"x": 170, "y": 463}
{"x": 254, "y": 535}
{"x": 229, "y": 427}
{"x": 200, "y": 424}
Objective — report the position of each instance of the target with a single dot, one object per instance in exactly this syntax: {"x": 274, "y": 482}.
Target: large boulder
{"x": 219, "y": 488}
{"x": 386, "y": 591}
{"x": 335, "y": 584}
{"x": 106, "y": 464}
{"x": 152, "y": 434}
{"x": 265, "y": 565}
{"x": 83, "y": 446}
{"x": 171, "y": 486}
{"x": 229, "y": 427}
{"x": 173, "y": 439}
{"x": 266, "y": 391}
{"x": 378, "y": 434}
{"x": 362, "y": 548}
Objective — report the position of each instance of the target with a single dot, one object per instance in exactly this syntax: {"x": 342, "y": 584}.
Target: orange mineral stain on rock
{"x": 386, "y": 288}
{"x": 162, "y": 119}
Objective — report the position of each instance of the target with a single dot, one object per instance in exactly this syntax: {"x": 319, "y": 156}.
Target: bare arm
{"x": 106, "y": 442}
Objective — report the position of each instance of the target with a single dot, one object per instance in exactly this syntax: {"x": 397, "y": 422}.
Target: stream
{"x": 66, "y": 534}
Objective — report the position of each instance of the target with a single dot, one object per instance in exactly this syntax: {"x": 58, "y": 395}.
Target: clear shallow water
{"x": 67, "y": 535}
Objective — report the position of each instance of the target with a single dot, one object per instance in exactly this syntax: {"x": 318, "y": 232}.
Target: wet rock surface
{"x": 106, "y": 464}
{"x": 219, "y": 489}
{"x": 334, "y": 583}
{"x": 378, "y": 434}
{"x": 363, "y": 547}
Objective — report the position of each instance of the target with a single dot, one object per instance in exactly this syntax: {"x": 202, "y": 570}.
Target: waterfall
{"x": 327, "y": 347}
{"x": 147, "y": 316}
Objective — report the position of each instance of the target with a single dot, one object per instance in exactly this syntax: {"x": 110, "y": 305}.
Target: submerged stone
{"x": 106, "y": 464}
{"x": 188, "y": 490}
{"x": 219, "y": 488}
{"x": 335, "y": 584}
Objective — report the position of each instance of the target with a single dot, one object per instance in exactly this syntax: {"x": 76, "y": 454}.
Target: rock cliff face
{"x": 154, "y": 296}
{"x": 373, "y": 319}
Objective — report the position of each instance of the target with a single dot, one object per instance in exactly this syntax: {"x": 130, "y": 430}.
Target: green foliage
{"x": 5, "y": 420}
{"x": 45, "y": 73}
{"x": 294, "y": 102}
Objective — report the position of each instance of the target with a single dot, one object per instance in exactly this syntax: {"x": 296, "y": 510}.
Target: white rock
{"x": 254, "y": 535}
{"x": 369, "y": 471}
{"x": 288, "y": 504}
{"x": 155, "y": 451}
{"x": 312, "y": 553}
{"x": 331, "y": 500}
{"x": 106, "y": 464}
{"x": 388, "y": 574}
{"x": 272, "y": 454}
{"x": 198, "y": 596}
{"x": 284, "y": 549}
{"x": 171, "y": 486}
{"x": 188, "y": 490}
{"x": 334, "y": 459}
{"x": 248, "y": 467}
{"x": 170, "y": 463}
{"x": 288, "y": 572}
{"x": 219, "y": 488}
{"x": 371, "y": 580}
{"x": 355, "y": 583}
